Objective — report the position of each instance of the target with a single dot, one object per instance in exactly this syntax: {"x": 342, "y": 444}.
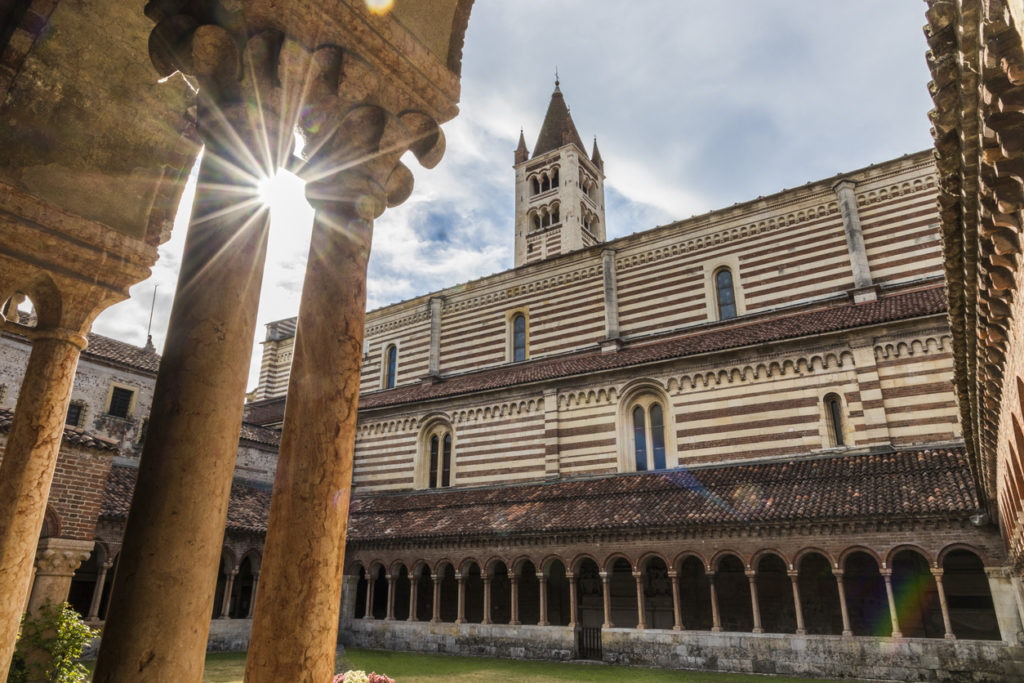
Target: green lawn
{"x": 407, "y": 667}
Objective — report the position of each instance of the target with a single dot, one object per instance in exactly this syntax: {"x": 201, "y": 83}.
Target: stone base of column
{"x": 801, "y": 632}
{"x": 863, "y": 295}
{"x": 950, "y": 636}
{"x": 847, "y": 634}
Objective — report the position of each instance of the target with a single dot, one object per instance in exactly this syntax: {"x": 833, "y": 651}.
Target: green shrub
{"x": 49, "y": 647}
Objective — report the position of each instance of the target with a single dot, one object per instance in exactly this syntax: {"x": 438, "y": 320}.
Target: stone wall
{"x": 825, "y": 656}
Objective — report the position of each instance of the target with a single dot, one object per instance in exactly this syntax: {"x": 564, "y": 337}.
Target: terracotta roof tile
{"x": 831, "y": 318}
{"x": 105, "y": 348}
{"x": 72, "y": 435}
{"x": 257, "y": 434}
{"x": 905, "y": 483}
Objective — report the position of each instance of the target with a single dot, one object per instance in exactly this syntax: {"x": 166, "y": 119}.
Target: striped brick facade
{"x": 787, "y": 252}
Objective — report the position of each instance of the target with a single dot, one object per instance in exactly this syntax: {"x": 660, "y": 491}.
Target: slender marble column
{"x": 414, "y": 597}
{"x": 165, "y": 582}
{"x": 26, "y": 471}
{"x": 754, "y": 606}
{"x": 225, "y": 603}
{"x": 607, "y": 597}
{"x": 371, "y": 583}
{"x": 487, "y": 599}
{"x": 573, "y": 610}
{"x": 460, "y": 617}
{"x": 794, "y": 577}
{"x": 252, "y": 597}
{"x": 434, "y": 356}
{"x": 937, "y": 573}
{"x": 295, "y": 626}
{"x": 543, "y": 583}
{"x": 390, "y": 614}
{"x": 716, "y": 621}
{"x": 887, "y": 575}
{"x": 514, "y": 579}
{"x": 641, "y": 608}
{"x": 844, "y": 190}
{"x": 437, "y": 601}
{"x": 677, "y": 612}
{"x": 847, "y": 630}
{"x": 97, "y": 591}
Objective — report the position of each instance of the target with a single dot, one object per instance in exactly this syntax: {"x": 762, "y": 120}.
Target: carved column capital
{"x": 60, "y": 556}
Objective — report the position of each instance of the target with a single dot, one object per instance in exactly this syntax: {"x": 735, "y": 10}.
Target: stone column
{"x": 716, "y": 621}
{"x": 165, "y": 584}
{"x": 854, "y": 236}
{"x": 390, "y": 614}
{"x": 514, "y": 579}
{"x": 350, "y": 586}
{"x": 370, "y": 583}
{"x": 887, "y": 575}
{"x": 97, "y": 591}
{"x": 436, "y": 616}
{"x": 26, "y": 471}
{"x": 542, "y": 582}
{"x": 1004, "y": 600}
{"x": 611, "y": 301}
{"x": 252, "y": 597}
{"x": 229, "y": 583}
{"x": 487, "y": 599}
{"x": 573, "y": 610}
{"x": 56, "y": 562}
{"x": 847, "y": 630}
{"x": 434, "y": 359}
{"x": 460, "y": 617}
{"x": 754, "y": 606}
{"x": 794, "y": 577}
{"x": 677, "y": 612}
{"x": 607, "y": 598}
{"x": 302, "y": 575}
{"x": 414, "y": 597}
{"x": 641, "y": 608}
{"x": 937, "y": 573}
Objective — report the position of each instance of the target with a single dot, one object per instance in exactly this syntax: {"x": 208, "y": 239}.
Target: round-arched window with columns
{"x": 435, "y": 463}
{"x": 646, "y": 433}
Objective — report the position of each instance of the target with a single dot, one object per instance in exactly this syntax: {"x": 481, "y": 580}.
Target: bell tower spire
{"x": 559, "y": 189}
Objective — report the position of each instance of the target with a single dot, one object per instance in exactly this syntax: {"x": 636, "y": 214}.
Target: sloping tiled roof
{"x": 248, "y": 506}
{"x": 109, "y": 349}
{"x": 720, "y": 337}
{"x": 902, "y": 484}
{"x": 933, "y": 483}
{"x": 257, "y": 434}
{"x": 558, "y": 128}
{"x": 72, "y": 435}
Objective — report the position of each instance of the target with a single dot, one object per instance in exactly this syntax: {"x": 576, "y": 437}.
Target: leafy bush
{"x": 49, "y": 647}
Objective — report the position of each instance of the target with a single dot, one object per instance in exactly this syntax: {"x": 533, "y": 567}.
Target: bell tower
{"x": 559, "y": 190}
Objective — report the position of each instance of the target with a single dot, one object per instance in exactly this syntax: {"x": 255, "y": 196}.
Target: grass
{"x": 407, "y": 667}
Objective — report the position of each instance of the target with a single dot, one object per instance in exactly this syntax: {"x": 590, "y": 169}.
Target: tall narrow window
{"x": 834, "y": 415}
{"x": 536, "y": 186}
{"x": 554, "y": 179}
{"x": 648, "y": 436}
{"x": 518, "y": 338}
{"x": 390, "y": 367}
{"x": 439, "y": 447}
{"x": 725, "y": 294}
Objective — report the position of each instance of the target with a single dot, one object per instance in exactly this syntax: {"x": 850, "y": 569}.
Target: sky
{"x": 695, "y": 106}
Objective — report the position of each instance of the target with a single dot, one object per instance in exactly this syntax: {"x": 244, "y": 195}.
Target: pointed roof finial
{"x": 558, "y": 128}
{"x": 595, "y": 156}
{"x": 521, "y": 153}
{"x": 556, "y": 77}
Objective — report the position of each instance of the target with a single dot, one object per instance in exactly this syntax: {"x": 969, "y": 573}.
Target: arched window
{"x": 536, "y": 222}
{"x": 390, "y": 366}
{"x": 834, "y": 419}
{"x": 439, "y": 452}
{"x": 545, "y": 184}
{"x": 546, "y": 221}
{"x": 554, "y": 215}
{"x": 518, "y": 337}
{"x": 535, "y": 185}
{"x": 725, "y": 294}
{"x": 648, "y": 422}
{"x": 554, "y": 179}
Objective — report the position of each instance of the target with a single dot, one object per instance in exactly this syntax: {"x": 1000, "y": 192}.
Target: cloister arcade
{"x": 906, "y": 593}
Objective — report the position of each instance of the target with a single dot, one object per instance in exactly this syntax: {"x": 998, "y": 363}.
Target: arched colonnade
{"x": 905, "y": 593}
